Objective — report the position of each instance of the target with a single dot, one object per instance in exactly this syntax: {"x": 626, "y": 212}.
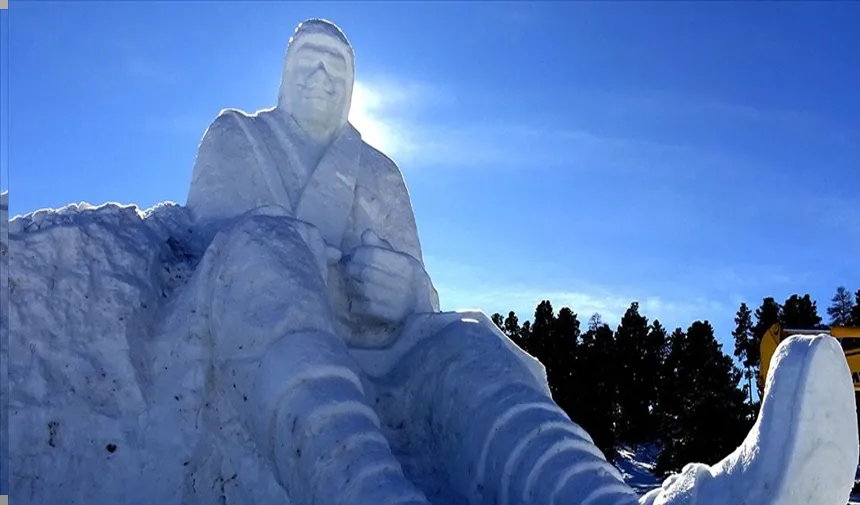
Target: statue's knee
{"x": 265, "y": 281}
{"x": 267, "y": 234}
{"x": 480, "y": 351}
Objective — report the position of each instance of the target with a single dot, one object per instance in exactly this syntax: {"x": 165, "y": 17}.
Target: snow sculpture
{"x": 314, "y": 233}
{"x": 279, "y": 341}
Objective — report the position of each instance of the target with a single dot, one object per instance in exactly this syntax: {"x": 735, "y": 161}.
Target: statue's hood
{"x": 320, "y": 31}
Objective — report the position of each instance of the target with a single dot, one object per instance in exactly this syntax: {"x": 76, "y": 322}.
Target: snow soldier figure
{"x": 329, "y": 344}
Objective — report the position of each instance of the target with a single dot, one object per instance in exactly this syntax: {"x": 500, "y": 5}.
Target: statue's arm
{"x": 398, "y": 227}
{"x": 224, "y": 183}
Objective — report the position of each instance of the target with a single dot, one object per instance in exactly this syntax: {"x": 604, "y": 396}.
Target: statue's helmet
{"x": 318, "y": 74}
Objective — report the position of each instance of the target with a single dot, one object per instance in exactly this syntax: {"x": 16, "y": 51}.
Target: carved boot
{"x": 306, "y": 405}
{"x": 802, "y": 450}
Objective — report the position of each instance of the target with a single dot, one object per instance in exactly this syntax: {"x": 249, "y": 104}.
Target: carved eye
{"x": 335, "y": 64}
{"x": 307, "y": 60}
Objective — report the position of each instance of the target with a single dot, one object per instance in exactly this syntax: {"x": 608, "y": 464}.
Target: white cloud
{"x": 611, "y": 306}
{"x": 463, "y": 286}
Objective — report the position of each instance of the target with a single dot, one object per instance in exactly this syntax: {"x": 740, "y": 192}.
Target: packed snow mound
{"x": 85, "y": 285}
{"x": 103, "y": 259}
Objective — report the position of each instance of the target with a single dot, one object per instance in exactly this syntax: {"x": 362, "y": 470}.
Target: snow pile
{"x": 86, "y": 285}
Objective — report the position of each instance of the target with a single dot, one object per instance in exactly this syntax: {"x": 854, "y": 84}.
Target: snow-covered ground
{"x": 637, "y": 466}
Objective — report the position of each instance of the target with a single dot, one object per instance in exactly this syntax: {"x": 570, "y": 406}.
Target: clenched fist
{"x": 384, "y": 286}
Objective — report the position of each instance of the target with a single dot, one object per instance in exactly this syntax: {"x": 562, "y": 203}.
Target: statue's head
{"x": 319, "y": 72}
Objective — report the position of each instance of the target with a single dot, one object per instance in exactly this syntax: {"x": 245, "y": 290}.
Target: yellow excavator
{"x": 777, "y": 334}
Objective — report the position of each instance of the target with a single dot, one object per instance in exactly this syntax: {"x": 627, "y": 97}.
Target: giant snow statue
{"x": 278, "y": 341}
{"x": 318, "y": 300}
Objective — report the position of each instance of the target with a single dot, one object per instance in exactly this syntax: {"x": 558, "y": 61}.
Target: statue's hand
{"x": 384, "y": 286}
{"x": 333, "y": 255}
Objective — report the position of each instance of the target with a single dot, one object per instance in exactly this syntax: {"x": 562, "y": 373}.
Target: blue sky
{"x": 689, "y": 156}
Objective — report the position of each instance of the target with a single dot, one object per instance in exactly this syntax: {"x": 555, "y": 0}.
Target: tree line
{"x": 643, "y": 384}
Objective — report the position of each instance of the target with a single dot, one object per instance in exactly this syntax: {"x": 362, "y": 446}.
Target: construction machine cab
{"x": 849, "y": 338}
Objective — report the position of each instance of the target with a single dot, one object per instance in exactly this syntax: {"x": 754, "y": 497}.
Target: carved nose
{"x": 320, "y": 77}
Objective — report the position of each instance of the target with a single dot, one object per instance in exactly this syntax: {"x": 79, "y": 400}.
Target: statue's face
{"x": 319, "y": 77}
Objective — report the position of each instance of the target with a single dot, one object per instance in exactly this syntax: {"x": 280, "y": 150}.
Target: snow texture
{"x": 278, "y": 340}
{"x": 637, "y": 466}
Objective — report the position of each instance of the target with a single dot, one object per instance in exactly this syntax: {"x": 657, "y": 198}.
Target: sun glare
{"x": 364, "y": 114}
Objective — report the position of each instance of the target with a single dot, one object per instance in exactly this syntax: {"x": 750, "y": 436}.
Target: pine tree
{"x": 539, "y": 343}
{"x": 840, "y": 307}
{"x": 743, "y": 335}
{"x": 598, "y": 388}
{"x": 673, "y": 397}
{"x": 526, "y": 336}
{"x": 800, "y": 312}
{"x": 637, "y": 394}
{"x": 653, "y": 355}
{"x": 565, "y": 377}
{"x": 512, "y": 326}
{"x": 704, "y": 415}
{"x": 855, "y": 312}
{"x": 768, "y": 314}
{"x": 498, "y": 320}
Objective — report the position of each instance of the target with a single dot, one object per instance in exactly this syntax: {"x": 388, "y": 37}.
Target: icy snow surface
{"x": 278, "y": 340}
{"x": 637, "y": 467}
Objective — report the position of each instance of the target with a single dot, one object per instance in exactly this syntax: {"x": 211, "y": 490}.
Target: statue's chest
{"x": 319, "y": 183}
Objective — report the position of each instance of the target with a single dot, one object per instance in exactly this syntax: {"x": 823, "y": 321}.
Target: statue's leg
{"x": 504, "y": 440}
{"x": 289, "y": 377}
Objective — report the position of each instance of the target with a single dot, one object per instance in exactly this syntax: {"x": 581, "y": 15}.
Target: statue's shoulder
{"x": 230, "y": 117}
{"x": 378, "y": 161}
{"x": 234, "y": 120}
